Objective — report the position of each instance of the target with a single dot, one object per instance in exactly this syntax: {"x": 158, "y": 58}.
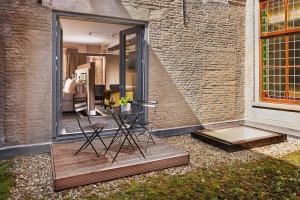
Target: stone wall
{"x": 27, "y": 71}
{"x": 196, "y": 69}
{"x": 1, "y": 85}
{"x": 200, "y": 64}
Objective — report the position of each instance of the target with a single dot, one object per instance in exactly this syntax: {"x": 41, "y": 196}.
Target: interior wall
{"x": 82, "y": 48}
{"x": 96, "y": 49}
{"x": 130, "y": 78}
{"x": 64, "y": 75}
{"x": 99, "y": 71}
{"x": 112, "y": 69}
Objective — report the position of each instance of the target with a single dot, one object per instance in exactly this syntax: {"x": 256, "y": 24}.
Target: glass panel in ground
{"x": 274, "y": 62}
{"x": 293, "y": 14}
{"x": 294, "y": 67}
{"x": 272, "y": 16}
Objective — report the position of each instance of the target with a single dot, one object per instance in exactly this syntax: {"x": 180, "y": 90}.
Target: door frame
{"x": 57, "y": 68}
{"x": 138, "y": 30}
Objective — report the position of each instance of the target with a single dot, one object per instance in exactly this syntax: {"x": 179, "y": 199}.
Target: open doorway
{"x": 99, "y": 63}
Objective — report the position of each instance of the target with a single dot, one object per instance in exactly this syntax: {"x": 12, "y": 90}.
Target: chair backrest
{"x": 114, "y": 87}
{"x": 78, "y": 118}
{"x": 146, "y": 104}
{"x": 78, "y": 108}
{"x": 99, "y": 90}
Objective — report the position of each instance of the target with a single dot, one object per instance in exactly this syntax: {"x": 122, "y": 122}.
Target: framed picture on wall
{"x": 83, "y": 76}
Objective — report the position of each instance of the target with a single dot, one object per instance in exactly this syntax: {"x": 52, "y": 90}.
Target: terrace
{"x": 210, "y": 168}
{"x": 149, "y": 99}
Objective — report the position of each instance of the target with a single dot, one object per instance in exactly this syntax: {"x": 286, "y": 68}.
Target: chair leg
{"x": 112, "y": 141}
{"x": 84, "y": 145}
{"x": 92, "y": 137}
{"x": 87, "y": 142}
{"x": 98, "y": 135}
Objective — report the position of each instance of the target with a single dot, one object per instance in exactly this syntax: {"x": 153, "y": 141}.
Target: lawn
{"x": 6, "y": 179}
{"x": 265, "y": 179}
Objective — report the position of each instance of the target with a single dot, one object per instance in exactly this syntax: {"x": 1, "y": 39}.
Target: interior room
{"x": 91, "y": 70}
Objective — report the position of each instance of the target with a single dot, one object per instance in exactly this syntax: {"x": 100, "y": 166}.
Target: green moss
{"x": 264, "y": 179}
{"x": 6, "y": 179}
{"x": 293, "y": 158}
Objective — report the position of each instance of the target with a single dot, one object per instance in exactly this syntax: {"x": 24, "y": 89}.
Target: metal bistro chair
{"x": 145, "y": 126}
{"x": 96, "y": 128}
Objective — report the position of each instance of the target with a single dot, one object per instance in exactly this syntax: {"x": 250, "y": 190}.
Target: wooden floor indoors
{"x": 85, "y": 168}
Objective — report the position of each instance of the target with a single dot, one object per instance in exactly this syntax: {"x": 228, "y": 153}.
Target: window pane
{"x": 274, "y": 62}
{"x": 272, "y": 16}
{"x": 294, "y": 67}
{"x": 294, "y": 13}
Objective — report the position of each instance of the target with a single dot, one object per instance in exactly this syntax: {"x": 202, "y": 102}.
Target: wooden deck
{"x": 86, "y": 168}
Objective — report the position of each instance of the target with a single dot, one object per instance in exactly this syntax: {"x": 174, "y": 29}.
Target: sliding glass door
{"x": 131, "y": 73}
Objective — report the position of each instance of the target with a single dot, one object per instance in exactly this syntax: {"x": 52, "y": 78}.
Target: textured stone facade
{"x": 196, "y": 70}
{"x": 26, "y": 38}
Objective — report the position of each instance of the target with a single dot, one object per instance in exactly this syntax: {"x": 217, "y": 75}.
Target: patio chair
{"x": 145, "y": 126}
{"x": 96, "y": 128}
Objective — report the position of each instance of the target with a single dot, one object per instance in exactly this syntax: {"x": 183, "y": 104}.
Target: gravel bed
{"x": 34, "y": 176}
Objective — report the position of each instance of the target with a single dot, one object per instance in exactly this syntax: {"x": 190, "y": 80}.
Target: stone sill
{"x": 276, "y": 106}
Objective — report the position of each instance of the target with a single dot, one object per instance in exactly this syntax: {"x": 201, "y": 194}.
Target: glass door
{"x": 131, "y": 77}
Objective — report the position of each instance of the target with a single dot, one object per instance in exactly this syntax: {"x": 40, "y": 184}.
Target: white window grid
{"x": 294, "y": 86}
{"x": 275, "y": 83}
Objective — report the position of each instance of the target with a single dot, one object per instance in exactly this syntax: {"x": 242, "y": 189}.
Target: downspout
{"x": 184, "y": 12}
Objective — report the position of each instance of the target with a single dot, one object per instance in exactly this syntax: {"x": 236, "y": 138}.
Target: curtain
{"x": 72, "y": 62}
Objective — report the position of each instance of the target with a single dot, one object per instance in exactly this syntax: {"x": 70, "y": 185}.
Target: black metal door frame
{"x": 139, "y": 59}
{"x": 57, "y": 59}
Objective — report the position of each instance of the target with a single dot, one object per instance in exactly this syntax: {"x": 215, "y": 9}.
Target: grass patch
{"x": 264, "y": 179}
{"x": 6, "y": 179}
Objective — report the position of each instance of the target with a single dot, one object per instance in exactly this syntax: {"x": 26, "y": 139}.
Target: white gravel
{"x": 34, "y": 177}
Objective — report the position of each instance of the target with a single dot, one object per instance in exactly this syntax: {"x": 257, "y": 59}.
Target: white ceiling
{"x": 90, "y": 32}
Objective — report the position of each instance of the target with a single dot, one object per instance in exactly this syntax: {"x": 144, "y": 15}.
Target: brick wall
{"x": 27, "y": 71}
{"x": 196, "y": 70}
{"x": 1, "y": 85}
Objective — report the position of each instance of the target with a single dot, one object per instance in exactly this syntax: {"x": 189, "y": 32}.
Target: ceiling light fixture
{"x": 110, "y": 34}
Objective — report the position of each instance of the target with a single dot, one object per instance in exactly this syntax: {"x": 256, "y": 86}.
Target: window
{"x": 280, "y": 51}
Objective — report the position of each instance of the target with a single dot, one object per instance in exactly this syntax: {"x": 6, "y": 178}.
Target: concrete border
{"x": 25, "y": 150}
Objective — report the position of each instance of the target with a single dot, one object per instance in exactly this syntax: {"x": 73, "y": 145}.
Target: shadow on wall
{"x": 173, "y": 109}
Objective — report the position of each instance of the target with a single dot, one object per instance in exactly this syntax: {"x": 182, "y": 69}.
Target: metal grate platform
{"x": 239, "y": 138}
{"x": 86, "y": 168}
